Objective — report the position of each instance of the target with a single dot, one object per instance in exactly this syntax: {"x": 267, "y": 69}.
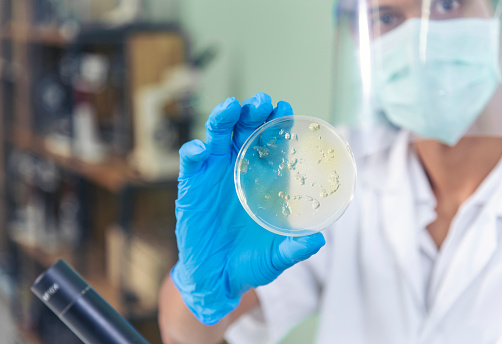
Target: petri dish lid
{"x": 295, "y": 175}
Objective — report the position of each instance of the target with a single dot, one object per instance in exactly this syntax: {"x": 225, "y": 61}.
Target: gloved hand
{"x": 222, "y": 251}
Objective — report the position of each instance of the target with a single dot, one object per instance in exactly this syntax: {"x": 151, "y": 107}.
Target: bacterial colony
{"x": 289, "y": 176}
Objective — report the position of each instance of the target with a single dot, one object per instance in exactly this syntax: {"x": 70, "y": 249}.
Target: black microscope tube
{"x": 90, "y": 317}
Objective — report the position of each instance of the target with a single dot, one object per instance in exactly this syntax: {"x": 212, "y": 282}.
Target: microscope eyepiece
{"x": 90, "y": 317}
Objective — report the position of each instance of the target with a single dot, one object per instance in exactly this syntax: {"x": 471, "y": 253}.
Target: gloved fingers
{"x": 296, "y": 249}
{"x": 220, "y": 126}
{"x": 192, "y": 157}
{"x": 254, "y": 113}
{"x": 272, "y": 136}
{"x": 282, "y": 109}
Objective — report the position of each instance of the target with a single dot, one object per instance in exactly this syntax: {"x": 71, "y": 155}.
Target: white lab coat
{"x": 371, "y": 283}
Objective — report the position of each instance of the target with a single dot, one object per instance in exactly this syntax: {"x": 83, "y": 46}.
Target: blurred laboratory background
{"x": 96, "y": 97}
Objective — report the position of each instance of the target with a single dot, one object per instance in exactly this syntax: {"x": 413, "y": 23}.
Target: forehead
{"x": 353, "y": 5}
{"x": 394, "y": 3}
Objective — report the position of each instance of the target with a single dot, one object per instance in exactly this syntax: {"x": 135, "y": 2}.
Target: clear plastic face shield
{"x": 431, "y": 67}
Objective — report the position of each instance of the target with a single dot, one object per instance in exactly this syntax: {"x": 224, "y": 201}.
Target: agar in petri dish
{"x": 295, "y": 175}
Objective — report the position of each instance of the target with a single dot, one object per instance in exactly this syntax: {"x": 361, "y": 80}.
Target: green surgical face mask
{"x": 434, "y": 78}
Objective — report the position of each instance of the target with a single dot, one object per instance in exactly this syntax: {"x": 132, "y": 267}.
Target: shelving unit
{"x": 112, "y": 203}
{"x": 50, "y": 36}
{"x": 113, "y": 174}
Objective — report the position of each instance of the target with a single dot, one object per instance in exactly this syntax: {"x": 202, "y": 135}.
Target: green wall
{"x": 280, "y": 47}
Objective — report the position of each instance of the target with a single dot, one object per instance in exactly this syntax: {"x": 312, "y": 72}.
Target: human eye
{"x": 384, "y": 21}
{"x": 387, "y": 19}
{"x": 446, "y": 8}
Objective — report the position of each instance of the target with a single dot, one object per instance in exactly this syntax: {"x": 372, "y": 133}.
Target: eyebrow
{"x": 379, "y": 9}
{"x": 351, "y": 13}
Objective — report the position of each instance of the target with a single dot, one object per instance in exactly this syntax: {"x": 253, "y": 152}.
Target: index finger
{"x": 220, "y": 125}
{"x": 255, "y": 111}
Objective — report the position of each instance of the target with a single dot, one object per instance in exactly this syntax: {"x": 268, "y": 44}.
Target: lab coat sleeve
{"x": 284, "y": 303}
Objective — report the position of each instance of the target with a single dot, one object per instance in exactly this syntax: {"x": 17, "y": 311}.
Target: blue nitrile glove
{"x": 222, "y": 251}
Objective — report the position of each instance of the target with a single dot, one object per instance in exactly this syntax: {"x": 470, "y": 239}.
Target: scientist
{"x": 417, "y": 257}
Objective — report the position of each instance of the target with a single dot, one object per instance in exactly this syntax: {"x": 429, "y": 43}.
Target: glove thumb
{"x": 296, "y": 249}
{"x": 192, "y": 157}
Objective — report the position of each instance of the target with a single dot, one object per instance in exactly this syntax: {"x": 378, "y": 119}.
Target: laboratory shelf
{"x": 107, "y": 194}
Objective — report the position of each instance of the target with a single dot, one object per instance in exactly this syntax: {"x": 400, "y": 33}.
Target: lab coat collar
{"x": 474, "y": 252}
{"x": 402, "y": 223}
{"x": 389, "y": 177}
{"x": 370, "y": 140}
{"x": 398, "y": 201}
{"x": 491, "y": 186}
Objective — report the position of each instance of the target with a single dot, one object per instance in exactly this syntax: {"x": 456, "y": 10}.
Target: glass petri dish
{"x": 295, "y": 175}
